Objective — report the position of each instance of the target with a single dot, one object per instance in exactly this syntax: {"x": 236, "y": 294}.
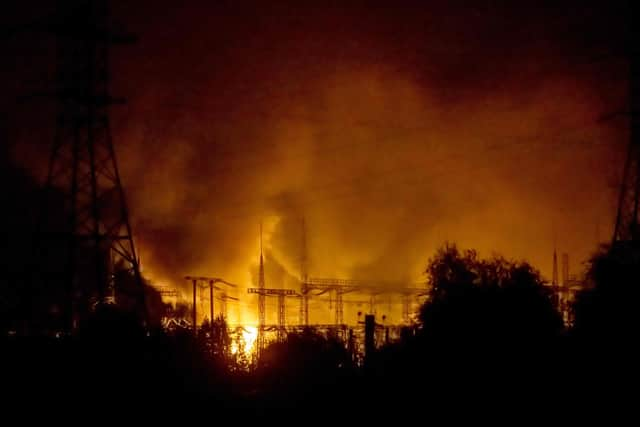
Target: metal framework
{"x": 205, "y": 282}
{"x": 281, "y": 294}
{"x": 304, "y": 292}
{"x": 627, "y": 224}
{"x": 261, "y": 300}
{"x": 223, "y": 298}
{"x": 406, "y": 308}
{"x": 554, "y": 279}
{"x": 83, "y": 251}
{"x": 407, "y": 296}
{"x": 338, "y": 287}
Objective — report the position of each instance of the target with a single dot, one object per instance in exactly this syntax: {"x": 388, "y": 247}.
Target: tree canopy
{"x": 486, "y": 299}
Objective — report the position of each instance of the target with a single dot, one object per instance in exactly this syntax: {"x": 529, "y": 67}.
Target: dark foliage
{"x": 304, "y": 368}
{"x": 487, "y": 335}
{"x": 606, "y": 320}
{"x": 607, "y": 311}
{"x": 488, "y": 302}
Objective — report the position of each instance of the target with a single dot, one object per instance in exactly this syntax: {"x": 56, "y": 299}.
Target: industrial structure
{"x": 81, "y": 250}
{"x": 564, "y": 288}
{"x": 95, "y": 234}
{"x": 337, "y": 288}
{"x": 627, "y": 222}
{"x": 328, "y": 290}
{"x": 203, "y": 282}
{"x": 280, "y": 294}
{"x": 223, "y": 298}
{"x": 262, "y": 291}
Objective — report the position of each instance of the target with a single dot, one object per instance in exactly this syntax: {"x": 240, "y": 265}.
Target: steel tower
{"x": 83, "y": 250}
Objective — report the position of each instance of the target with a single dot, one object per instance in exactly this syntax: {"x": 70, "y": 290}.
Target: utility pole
{"x": 554, "y": 280}
{"x": 558, "y": 296}
{"x": 261, "y": 299}
{"x": 304, "y": 292}
{"x": 339, "y": 307}
{"x": 211, "y": 318}
{"x": 211, "y": 283}
{"x": 195, "y": 322}
{"x": 565, "y": 288}
{"x": 369, "y": 336}
{"x": 282, "y": 317}
{"x": 405, "y": 307}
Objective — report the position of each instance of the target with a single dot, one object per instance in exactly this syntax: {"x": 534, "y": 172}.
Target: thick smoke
{"x": 388, "y": 132}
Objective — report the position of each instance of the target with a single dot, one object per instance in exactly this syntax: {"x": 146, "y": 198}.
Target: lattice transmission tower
{"x": 627, "y": 224}
{"x": 261, "y": 300}
{"x": 88, "y": 243}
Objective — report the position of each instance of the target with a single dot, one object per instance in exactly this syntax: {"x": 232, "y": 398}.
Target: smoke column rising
{"x": 389, "y": 131}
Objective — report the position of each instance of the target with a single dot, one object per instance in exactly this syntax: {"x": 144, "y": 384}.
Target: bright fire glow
{"x": 250, "y": 334}
{"x": 248, "y": 340}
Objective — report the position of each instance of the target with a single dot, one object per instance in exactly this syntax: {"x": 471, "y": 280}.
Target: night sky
{"x": 390, "y": 127}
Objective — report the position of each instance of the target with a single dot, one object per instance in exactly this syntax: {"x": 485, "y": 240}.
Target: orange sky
{"x": 388, "y": 131}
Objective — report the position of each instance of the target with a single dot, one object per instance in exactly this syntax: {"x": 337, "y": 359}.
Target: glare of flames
{"x": 239, "y": 316}
{"x": 249, "y": 336}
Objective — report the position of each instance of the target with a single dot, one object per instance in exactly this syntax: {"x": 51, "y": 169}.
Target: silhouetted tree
{"x": 221, "y": 339}
{"x": 604, "y": 352}
{"x": 607, "y": 310}
{"x": 305, "y": 366}
{"x": 487, "y": 332}
{"x": 214, "y": 339}
{"x": 494, "y": 300}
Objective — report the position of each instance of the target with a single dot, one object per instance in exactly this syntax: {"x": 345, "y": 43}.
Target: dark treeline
{"x": 489, "y": 333}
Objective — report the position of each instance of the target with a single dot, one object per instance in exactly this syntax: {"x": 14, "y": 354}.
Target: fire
{"x": 249, "y": 334}
{"x": 247, "y": 341}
